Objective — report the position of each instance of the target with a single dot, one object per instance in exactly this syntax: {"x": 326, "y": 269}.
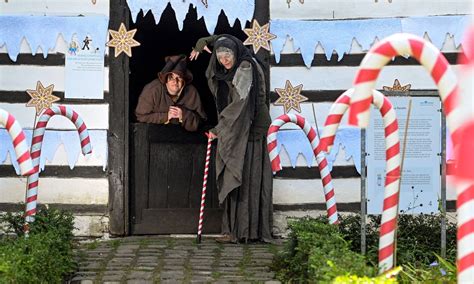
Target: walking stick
{"x": 204, "y": 186}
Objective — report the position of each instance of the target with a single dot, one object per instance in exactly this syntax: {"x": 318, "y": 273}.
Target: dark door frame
{"x": 119, "y": 123}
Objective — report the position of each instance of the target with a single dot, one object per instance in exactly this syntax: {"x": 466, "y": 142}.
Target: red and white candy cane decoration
{"x": 326, "y": 178}
{"x": 19, "y": 142}
{"x": 465, "y": 160}
{"x": 392, "y": 153}
{"x": 204, "y": 187}
{"x": 38, "y": 135}
{"x": 441, "y": 72}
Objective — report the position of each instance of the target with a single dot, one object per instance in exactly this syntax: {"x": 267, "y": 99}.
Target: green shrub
{"x": 441, "y": 271}
{"x": 48, "y": 219}
{"x": 315, "y": 251}
{"x": 45, "y": 256}
{"x": 418, "y": 238}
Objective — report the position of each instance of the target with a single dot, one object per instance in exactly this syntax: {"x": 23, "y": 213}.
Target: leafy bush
{"x": 441, "y": 271}
{"x": 386, "y": 278}
{"x": 315, "y": 251}
{"x": 45, "y": 256}
{"x": 45, "y": 220}
{"x": 418, "y": 238}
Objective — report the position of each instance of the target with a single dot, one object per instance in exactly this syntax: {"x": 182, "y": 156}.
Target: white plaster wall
{"x": 96, "y": 116}
{"x": 61, "y": 159}
{"x": 91, "y": 225}
{"x": 350, "y": 9}
{"x": 55, "y": 7}
{"x": 299, "y": 191}
{"x": 57, "y": 190}
{"x": 24, "y": 77}
{"x": 85, "y": 225}
{"x": 342, "y": 77}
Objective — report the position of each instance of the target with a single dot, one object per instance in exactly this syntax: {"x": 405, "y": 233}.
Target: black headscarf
{"x": 241, "y": 53}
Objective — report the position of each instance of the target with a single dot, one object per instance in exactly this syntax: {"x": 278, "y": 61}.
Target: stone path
{"x": 158, "y": 259}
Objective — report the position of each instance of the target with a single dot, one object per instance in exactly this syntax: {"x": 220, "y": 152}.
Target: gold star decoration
{"x": 258, "y": 36}
{"x": 41, "y": 98}
{"x": 122, "y": 40}
{"x": 397, "y": 87}
{"x": 290, "y": 97}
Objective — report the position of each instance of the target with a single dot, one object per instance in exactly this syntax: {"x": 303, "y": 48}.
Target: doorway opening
{"x": 166, "y": 168}
{"x": 165, "y": 38}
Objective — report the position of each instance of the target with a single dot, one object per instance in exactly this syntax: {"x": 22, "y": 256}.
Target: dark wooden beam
{"x": 55, "y": 59}
{"x": 313, "y": 173}
{"x": 294, "y": 59}
{"x": 118, "y": 128}
{"x": 74, "y": 208}
{"x": 341, "y": 207}
{"x": 22, "y": 97}
{"x": 59, "y": 172}
{"x": 318, "y": 96}
{"x": 262, "y": 15}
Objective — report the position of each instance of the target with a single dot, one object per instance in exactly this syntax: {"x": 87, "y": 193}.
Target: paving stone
{"x": 137, "y": 258}
{"x": 81, "y": 281}
{"x": 172, "y": 268}
{"x": 125, "y": 255}
{"x": 118, "y": 259}
{"x": 157, "y": 246}
{"x": 140, "y": 281}
{"x": 202, "y": 273}
{"x": 228, "y": 269}
{"x": 171, "y": 281}
{"x": 114, "y": 277}
{"x": 112, "y": 272}
{"x": 93, "y": 266}
{"x": 128, "y": 246}
{"x": 171, "y": 274}
{"x": 147, "y": 258}
{"x": 140, "y": 275}
{"x": 231, "y": 278}
{"x": 201, "y": 279}
{"x": 144, "y": 268}
{"x": 201, "y": 267}
{"x": 176, "y": 262}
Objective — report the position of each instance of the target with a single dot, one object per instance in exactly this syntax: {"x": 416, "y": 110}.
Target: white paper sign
{"x": 84, "y": 72}
{"x": 421, "y": 176}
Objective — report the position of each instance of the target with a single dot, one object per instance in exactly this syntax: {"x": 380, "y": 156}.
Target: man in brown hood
{"x": 171, "y": 98}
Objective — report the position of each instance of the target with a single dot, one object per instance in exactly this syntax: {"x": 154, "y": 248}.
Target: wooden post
{"x": 118, "y": 128}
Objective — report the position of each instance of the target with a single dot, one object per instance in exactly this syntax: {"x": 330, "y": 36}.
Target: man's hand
{"x": 194, "y": 54}
{"x": 175, "y": 112}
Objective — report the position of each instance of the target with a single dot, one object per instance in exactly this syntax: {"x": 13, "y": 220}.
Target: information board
{"x": 421, "y": 176}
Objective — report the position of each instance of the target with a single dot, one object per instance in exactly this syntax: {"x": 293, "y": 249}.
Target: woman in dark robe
{"x": 243, "y": 170}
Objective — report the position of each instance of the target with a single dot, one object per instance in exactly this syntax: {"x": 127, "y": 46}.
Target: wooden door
{"x": 167, "y": 168}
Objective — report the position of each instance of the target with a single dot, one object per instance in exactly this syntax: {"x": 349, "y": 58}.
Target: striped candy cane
{"x": 392, "y": 180}
{"x": 465, "y": 157}
{"x": 204, "y": 187}
{"x": 320, "y": 158}
{"x": 38, "y": 135}
{"x": 19, "y": 142}
{"x": 441, "y": 72}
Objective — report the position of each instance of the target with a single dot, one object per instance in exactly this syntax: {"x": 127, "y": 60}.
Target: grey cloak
{"x": 243, "y": 170}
